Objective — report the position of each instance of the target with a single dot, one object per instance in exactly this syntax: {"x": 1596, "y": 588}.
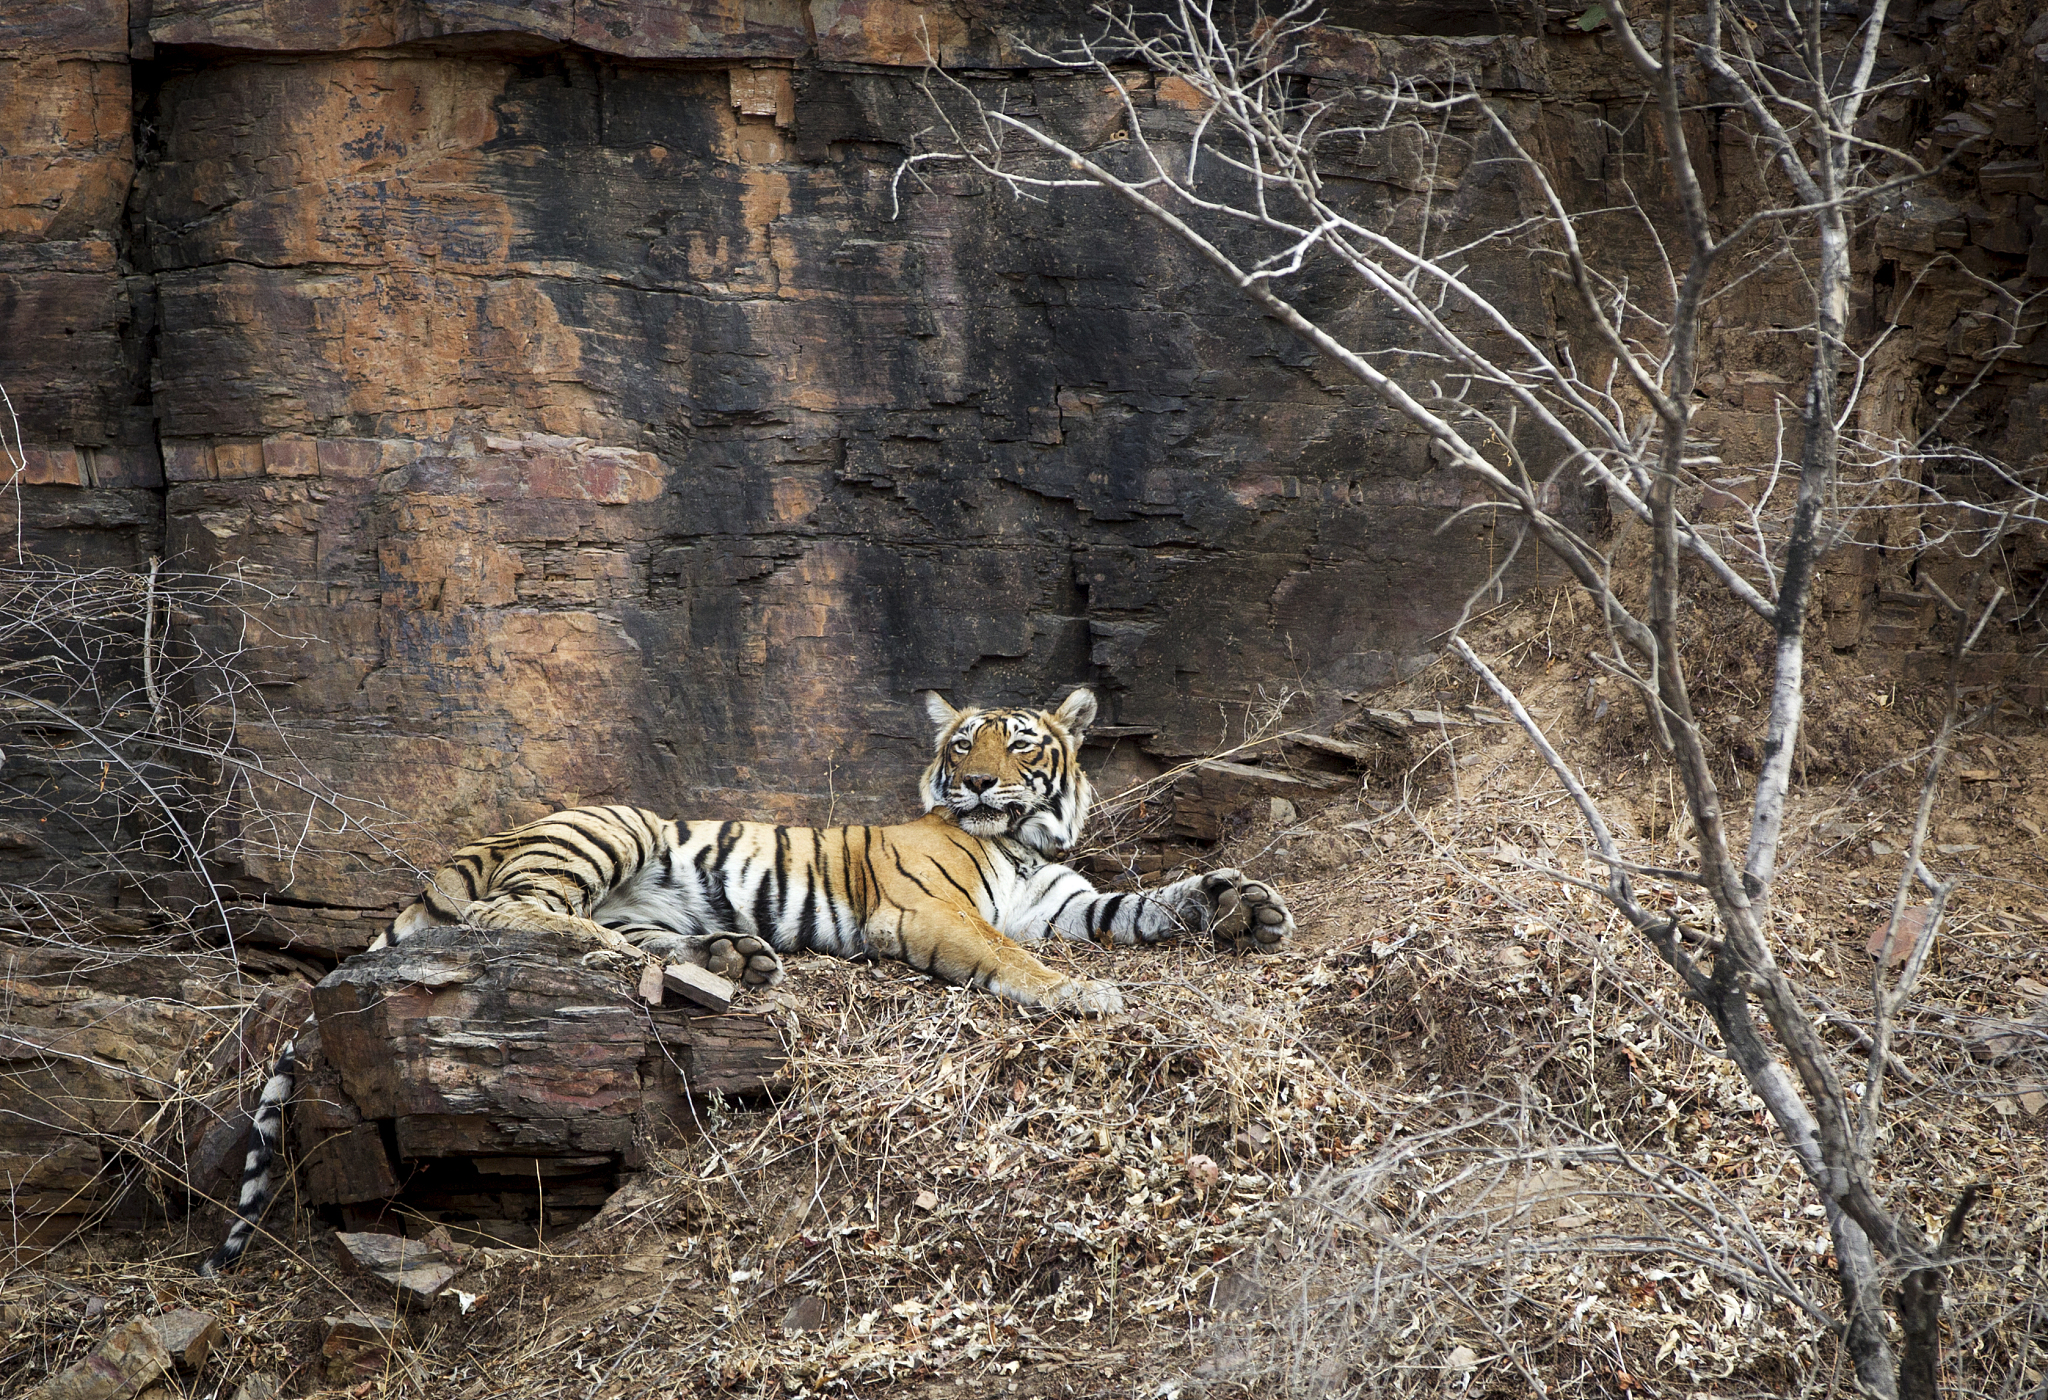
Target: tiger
{"x": 956, "y": 894}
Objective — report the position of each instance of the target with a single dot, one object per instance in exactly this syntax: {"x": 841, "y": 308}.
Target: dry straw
{"x": 1462, "y": 1139}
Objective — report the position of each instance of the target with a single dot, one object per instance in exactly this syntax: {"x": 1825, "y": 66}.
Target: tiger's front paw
{"x": 1085, "y": 998}
{"x": 1250, "y": 916}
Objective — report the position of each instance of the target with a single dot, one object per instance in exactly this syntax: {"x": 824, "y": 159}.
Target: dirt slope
{"x": 1462, "y": 1134}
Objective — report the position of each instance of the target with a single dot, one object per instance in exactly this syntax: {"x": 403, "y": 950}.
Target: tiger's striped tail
{"x": 266, "y": 1130}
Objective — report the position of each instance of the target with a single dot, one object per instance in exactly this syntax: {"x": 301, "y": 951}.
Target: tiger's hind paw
{"x": 737, "y": 957}
{"x": 743, "y": 958}
{"x": 1250, "y": 915}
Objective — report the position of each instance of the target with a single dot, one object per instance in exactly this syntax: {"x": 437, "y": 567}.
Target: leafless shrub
{"x": 131, "y": 793}
{"x": 143, "y": 769}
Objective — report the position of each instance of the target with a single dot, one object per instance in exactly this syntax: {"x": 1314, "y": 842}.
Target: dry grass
{"x": 1463, "y": 1137}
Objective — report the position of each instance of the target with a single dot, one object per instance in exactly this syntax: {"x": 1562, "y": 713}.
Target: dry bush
{"x": 131, "y": 791}
{"x": 141, "y": 767}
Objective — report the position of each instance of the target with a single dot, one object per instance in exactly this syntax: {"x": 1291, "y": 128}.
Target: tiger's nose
{"x": 978, "y": 783}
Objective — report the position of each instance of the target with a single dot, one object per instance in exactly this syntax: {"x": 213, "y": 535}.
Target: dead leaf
{"x": 806, "y": 1314}
{"x": 1911, "y": 922}
{"x": 927, "y": 1200}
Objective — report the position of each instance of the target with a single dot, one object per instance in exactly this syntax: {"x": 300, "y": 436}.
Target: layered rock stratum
{"x": 622, "y": 423}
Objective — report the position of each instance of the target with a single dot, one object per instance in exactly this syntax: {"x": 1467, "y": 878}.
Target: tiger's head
{"x": 1014, "y": 773}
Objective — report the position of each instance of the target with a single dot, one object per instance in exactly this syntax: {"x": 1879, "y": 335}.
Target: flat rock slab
{"x": 416, "y": 1269}
{"x": 695, "y": 985}
{"x": 463, "y": 1043}
{"x": 383, "y": 1254}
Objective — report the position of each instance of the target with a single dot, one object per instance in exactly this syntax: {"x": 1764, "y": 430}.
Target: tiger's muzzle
{"x": 985, "y": 814}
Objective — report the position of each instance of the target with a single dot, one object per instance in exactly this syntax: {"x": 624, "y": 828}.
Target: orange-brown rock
{"x": 619, "y": 422}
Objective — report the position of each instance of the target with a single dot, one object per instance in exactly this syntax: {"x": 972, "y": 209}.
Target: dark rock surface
{"x": 460, "y": 1046}
{"x": 619, "y": 428}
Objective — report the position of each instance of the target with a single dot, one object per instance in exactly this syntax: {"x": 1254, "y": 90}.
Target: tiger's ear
{"x": 1076, "y": 712}
{"x": 941, "y": 713}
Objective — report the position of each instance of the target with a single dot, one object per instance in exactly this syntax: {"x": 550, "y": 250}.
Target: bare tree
{"x": 133, "y": 717}
{"x": 1225, "y": 140}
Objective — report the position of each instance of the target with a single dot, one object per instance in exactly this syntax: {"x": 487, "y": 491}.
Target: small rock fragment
{"x": 130, "y": 1358}
{"x": 706, "y": 989}
{"x": 424, "y": 1282}
{"x": 441, "y": 1242}
{"x": 1896, "y": 945}
{"x": 188, "y": 1336}
{"x": 806, "y": 1314}
{"x": 356, "y": 1346}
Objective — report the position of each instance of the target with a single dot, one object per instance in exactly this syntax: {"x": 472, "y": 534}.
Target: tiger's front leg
{"x": 959, "y": 946}
{"x": 1245, "y": 916}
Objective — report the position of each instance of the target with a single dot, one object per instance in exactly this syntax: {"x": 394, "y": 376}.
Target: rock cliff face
{"x": 622, "y": 428}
